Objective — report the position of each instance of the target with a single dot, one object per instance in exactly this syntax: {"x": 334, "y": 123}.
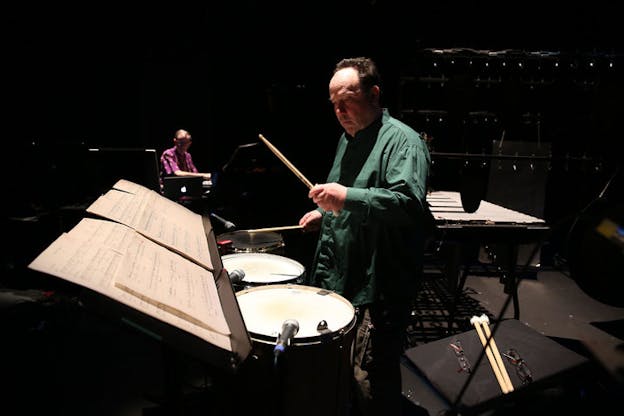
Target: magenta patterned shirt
{"x": 171, "y": 160}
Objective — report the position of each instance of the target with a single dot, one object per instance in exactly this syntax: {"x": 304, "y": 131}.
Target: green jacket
{"x": 373, "y": 249}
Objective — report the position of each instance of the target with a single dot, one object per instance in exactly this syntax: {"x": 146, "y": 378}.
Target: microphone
{"x": 236, "y": 275}
{"x": 229, "y": 225}
{"x": 290, "y": 327}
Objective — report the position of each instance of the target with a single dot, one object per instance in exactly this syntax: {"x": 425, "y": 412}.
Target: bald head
{"x": 182, "y": 139}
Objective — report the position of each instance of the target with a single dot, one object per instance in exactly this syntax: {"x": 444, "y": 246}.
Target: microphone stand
{"x": 228, "y": 225}
{"x": 279, "y": 372}
{"x": 287, "y": 333}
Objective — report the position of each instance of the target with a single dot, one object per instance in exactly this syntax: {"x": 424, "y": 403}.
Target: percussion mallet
{"x": 476, "y": 322}
{"x": 485, "y": 321}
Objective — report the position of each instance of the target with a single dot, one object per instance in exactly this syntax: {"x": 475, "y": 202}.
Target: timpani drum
{"x": 245, "y": 242}
{"x": 313, "y": 375}
{"x": 264, "y": 269}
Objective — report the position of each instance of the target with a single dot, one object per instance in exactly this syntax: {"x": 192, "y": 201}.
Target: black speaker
{"x": 531, "y": 360}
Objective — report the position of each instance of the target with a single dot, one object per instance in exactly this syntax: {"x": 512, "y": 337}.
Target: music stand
{"x": 243, "y": 158}
{"x": 105, "y": 166}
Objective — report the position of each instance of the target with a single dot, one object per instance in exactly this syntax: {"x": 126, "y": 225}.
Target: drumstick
{"x": 290, "y": 166}
{"x": 285, "y": 227}
{"x": 286, "y": 162}
{"x": 485, "y": 321}
{"x": 499, "y": 377}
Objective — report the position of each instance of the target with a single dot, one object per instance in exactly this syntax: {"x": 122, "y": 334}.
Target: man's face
{"x": 351, "y": 106}
{"x": 183, "y": 140}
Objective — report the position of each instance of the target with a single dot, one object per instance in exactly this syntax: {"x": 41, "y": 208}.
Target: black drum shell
{"x": 311, "y": 377}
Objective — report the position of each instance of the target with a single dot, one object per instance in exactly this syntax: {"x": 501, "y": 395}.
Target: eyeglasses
{"x": 464, "y": 364}
{"x": 522, "y": 369}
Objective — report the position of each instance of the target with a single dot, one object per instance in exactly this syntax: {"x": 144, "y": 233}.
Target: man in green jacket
{"x": 371, "y": 219}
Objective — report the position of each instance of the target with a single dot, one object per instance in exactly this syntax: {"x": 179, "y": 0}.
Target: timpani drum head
{"x": 265, "y": 308}
{"x": 264, "y": 268}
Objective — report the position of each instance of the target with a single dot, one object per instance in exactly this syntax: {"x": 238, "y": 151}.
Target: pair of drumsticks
{"x": 297, "y": 173}
{"x": 482, "y": 326}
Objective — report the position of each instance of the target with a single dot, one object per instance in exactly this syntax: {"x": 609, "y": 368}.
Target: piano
{"x": 457, "y": 231}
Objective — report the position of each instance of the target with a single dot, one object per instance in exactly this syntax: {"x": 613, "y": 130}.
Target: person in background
{"x": 177, "y": 161}
{"x": 371, "y": 217}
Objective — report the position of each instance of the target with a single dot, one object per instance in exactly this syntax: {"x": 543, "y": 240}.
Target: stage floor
{"x": 552, "y": 304}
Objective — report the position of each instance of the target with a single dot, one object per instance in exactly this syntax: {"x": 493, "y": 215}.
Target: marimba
{"x": 489, "y": 224}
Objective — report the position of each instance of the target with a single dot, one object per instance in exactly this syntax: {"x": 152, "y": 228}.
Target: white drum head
{"x": 265, "y": 308}
{"x": 263, "y": 268}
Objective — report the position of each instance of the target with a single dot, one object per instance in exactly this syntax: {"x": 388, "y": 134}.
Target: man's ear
{"x": 374, "y": 93}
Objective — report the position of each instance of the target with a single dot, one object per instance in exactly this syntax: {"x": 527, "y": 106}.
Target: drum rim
{"x": 246, "y": 232}
{"x": 254, "y": 250}
{"x": 279, "y": 241}
{"x": 312, "y": 340}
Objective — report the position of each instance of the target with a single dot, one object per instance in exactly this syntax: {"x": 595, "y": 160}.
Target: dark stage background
{"x": 544, "y": 82}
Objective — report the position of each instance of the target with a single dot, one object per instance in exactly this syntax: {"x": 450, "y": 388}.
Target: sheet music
{"x": 103, "y": 255}
{"x": 130, "y": 187}
{"x": 446, "y": 205}
{"x": 158, "y": 218}
{"x": 165, "y": 278}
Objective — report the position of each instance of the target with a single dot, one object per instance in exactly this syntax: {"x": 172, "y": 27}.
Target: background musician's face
{"x": 354, "y": 109}
{"x": 182, "y": 140}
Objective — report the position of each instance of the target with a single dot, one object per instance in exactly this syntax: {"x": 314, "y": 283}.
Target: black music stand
{"x": 180, "y": 339}
{"x": 176, "y": 343}
{"x": 105, "y": 165}
{"x": 250, "y": 186}
{"x": 148, "y": 315}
